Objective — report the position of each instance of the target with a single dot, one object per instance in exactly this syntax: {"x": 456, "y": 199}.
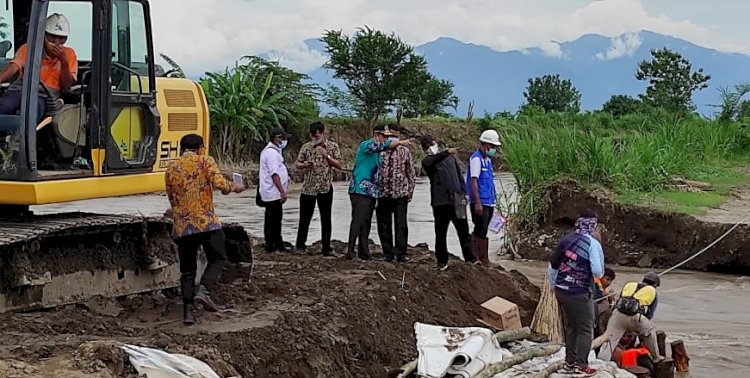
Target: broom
{"x": 547, "y": 318}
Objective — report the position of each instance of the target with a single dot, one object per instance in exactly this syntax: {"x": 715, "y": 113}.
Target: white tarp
{"x": 154, "y": 363}
{"x": 464, "y": 352}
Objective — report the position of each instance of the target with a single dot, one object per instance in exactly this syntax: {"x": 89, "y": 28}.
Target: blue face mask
{"x": 491, "y": 152}
{"x": 283, "y": 144}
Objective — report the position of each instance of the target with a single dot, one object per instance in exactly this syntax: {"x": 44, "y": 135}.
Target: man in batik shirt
{"x": 190, "y": 182}
{"x": 396, "y": 175}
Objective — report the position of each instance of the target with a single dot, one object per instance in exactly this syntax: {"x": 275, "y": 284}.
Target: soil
{"x": 638, "y": 236}
{"x": 298, "y": 315}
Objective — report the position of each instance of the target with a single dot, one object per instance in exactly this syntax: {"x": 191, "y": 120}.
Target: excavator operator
{"x": 59, "y": 67}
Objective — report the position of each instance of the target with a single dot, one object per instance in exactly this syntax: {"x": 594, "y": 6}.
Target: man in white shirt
{"x": 273, "y": 182}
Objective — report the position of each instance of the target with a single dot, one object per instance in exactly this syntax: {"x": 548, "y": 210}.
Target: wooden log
{"x": 661, "y": 342}
{"x": 638, "y": 371}
{"x": 408, "y": 369}
{"x": 680, "y": 356}
{"x": 664, "y": 369}
{"x": 517, "y": 359}
{"x": 515, "y": 334}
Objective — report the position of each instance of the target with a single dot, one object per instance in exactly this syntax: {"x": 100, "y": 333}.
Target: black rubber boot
{"x": 188, "y": 315}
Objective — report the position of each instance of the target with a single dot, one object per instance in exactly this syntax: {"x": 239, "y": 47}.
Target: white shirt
{"x": 475, "y": 165}
{"x": 272, "y": 163}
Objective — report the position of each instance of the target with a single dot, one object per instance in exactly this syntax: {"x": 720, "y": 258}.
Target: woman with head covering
{"x": 573, "y": 265}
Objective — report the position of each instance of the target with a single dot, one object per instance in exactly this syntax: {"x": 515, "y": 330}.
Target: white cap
{"x": 58, "y": 25}
{"x": 491, "y": 137}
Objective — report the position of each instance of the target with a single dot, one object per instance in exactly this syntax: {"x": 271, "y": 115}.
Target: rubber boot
{"x": 475, "y": 250}
{"x": 188, "y": 315}
{"x": 203, "y": 297}
{"x": 483, "y": 246}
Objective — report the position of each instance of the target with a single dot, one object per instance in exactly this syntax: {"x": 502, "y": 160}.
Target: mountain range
{"x": 598, "y": 66}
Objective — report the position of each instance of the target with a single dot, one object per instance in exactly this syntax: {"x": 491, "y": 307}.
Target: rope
{"x": 683, "y": 262}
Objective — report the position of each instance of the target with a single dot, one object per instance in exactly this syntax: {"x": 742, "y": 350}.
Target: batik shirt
{"x": 190, "y": 182}
{"x": 396, "y": 173}
{"x": 365, "y": 175}
{"x": 318, "y": 178}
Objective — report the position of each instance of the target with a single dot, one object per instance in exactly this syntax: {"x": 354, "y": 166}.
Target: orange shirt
{"x": 51, "y": 67}
{"x": 190, "y": 182}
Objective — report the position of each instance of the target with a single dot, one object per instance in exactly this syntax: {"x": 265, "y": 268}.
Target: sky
{"x": 208, "y": 35}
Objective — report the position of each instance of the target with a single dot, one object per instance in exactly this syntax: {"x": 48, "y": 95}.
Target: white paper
{"x": 237, "y": 178}
{"x": 497, "y": 222}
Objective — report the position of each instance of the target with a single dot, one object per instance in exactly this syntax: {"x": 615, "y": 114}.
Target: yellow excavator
{"x": 113, "y": 134}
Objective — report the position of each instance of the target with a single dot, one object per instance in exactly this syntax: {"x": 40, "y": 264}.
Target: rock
{"x": 102, "y": 306}
{"x": 645, "y": 262}
{"x": 162, "y": 341}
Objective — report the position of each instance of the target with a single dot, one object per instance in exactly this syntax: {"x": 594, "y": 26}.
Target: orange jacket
{"x": 630, "y": 356}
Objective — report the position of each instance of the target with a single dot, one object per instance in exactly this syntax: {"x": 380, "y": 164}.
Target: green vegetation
{"x": 383, "y": 74}
{"x": 671, "y": 82}
{"x": 635, "y": 156}
{"x": 552, "y": 94}
{"x": 250, "y": 99}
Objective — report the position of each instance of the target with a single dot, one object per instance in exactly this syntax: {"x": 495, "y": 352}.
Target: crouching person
{"x": 190, "y": 182}
{"x": 633, "y": 312}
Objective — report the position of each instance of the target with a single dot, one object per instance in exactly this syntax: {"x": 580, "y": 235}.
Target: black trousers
{"x": 213, "y": 246}
{"x": 390, "y": 212}
{"x": 362, "y": 209}
{"x": 444, "y": 216}
{"x": 578, "y": 315}
{"x": 481, "y": 221}
{"x": 272, "y": 226}
{"x": 306, "y": 210}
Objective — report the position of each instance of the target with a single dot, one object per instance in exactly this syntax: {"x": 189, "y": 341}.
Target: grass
{"x": 637, "y": 160}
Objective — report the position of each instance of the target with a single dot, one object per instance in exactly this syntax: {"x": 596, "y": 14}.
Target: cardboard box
{"x": 501, "y": 314}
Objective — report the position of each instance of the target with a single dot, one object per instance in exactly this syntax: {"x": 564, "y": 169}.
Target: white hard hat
{"x": 491, "y": 137}
{"x": 58, "y": 25}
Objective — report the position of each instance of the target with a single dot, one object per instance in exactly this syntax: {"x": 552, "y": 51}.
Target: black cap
{"x": 278, "y": 132}
{"x": 379, "y": 129}
{"x": 426, "y": 141}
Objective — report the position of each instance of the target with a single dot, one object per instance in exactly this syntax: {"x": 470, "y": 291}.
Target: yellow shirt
{"x": 190, "y": 182}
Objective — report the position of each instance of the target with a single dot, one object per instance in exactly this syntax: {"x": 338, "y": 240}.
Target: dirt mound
{"x": 638, "y": 236}
{"x": 299, "y": 315}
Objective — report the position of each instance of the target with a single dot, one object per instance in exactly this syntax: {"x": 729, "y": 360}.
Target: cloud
{"x": 204, "y": 35}
{"x": 625, "y": 45}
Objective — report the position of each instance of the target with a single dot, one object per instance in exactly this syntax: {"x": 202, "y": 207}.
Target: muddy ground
{"x": 295, "y": 316}
{"x": 639, "y": 236}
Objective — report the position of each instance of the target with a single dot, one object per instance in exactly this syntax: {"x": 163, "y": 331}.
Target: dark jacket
{"x": 445, "y": 178}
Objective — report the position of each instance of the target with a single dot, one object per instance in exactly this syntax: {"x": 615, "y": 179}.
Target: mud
{"x": 639, "y": 236}
{"x": 287, "y": 314}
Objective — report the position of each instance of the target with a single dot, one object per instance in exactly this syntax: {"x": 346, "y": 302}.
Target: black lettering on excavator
{"x": 169, "y": 149}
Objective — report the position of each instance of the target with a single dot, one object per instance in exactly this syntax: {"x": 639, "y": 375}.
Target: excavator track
{"x": 52, "y": 260}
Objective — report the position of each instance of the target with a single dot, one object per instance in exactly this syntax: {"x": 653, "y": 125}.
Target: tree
{"x": 671, "y": 81}
{"x": 731, "y": 102}
{"x": 619, "y": 105}
{"x": 552, "y": 94}
{"x": 381, "y": 72}
{"x": 428, "y": 96}
{"x": 340, "y": 100}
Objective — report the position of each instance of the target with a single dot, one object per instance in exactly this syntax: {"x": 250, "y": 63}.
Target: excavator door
{"x": 132, "y": 127}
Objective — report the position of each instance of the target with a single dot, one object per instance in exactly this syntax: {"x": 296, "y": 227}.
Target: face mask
{"x": 433, "y": 149}
{"x": 283, "y": 144}
{"x": 491, "y": 152}
{"x": 316, "y": 142}
{"x": 393, "y": 138}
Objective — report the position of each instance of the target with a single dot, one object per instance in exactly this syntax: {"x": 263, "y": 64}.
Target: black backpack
{"x": 629, "y": 305}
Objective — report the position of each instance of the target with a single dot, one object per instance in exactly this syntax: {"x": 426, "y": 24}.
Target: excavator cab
{"x": 113, "y": 133}
{"x": 107, "y": 124}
